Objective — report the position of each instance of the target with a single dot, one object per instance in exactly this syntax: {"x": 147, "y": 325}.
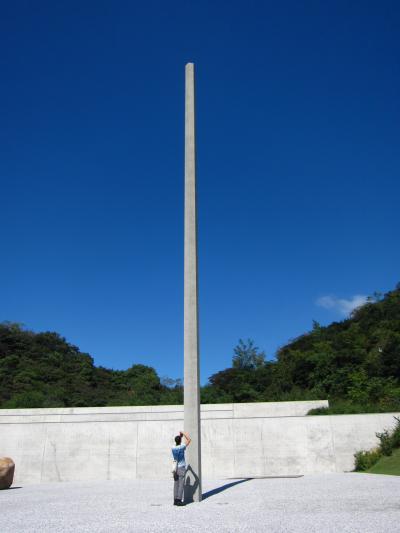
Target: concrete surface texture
{"x": 328, "y": 503}
{"x": 123, "y": 443}
{"x": 191, "y": 334}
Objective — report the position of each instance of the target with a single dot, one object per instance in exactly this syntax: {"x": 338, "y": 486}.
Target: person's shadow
{"x": 191, "y": 485}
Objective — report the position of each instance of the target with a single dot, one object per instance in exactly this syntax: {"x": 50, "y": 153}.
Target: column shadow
{"x": 213, "y": 492}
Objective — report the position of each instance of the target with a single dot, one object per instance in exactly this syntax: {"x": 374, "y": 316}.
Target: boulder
{"x": 7, "y": 467}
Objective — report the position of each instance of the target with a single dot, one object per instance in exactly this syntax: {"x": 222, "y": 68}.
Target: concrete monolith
{"x": 191, "y": 322}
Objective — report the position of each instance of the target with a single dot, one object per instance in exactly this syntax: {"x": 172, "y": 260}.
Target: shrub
{"x": 364, "y": 460}
{"x": 386, "y": 443}
{"x": 396, "y": 434}
{"x": 319, "y": 411}
{"x": 346, "y": 407}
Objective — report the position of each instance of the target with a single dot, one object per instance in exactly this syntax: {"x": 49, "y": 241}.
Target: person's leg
{"x": 181, "y": 480}
{"x": 176, "y": 486}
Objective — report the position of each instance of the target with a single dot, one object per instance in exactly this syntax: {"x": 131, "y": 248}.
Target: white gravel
{"x": 337, "y": 503}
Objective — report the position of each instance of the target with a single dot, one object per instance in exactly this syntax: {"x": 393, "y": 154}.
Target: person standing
{"x": 178, "y": 453}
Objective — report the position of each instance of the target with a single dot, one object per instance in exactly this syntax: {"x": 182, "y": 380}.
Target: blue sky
{"x": 298, "y": 170}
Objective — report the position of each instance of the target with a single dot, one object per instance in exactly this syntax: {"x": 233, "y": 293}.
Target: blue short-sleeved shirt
{"x": 178, "y": 453}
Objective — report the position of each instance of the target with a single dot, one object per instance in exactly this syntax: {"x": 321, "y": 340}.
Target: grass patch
{"x": 389, "y": 465}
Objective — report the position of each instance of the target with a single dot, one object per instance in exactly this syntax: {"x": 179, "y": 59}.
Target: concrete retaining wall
{"x": 238, "y": 440}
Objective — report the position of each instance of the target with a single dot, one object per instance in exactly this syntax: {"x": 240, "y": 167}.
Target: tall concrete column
{"x": 191, "y": 322}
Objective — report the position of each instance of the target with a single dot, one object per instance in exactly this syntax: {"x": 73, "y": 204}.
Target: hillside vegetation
{"x": 43, "y": 370}
{"x": 354, "y": 363}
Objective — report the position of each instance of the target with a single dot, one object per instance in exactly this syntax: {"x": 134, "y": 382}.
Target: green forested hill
{"x": 43, "y": 370}
{"x": 355, "y": 363}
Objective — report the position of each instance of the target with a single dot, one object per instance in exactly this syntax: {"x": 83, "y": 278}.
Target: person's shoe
{"x": 176, "y": 501}
{"x": 179, "y": 503}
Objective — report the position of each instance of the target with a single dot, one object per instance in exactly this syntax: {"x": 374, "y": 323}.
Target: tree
{"x": 247, "y": 356}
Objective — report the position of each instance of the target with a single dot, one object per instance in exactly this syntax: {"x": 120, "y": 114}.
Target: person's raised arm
{"x": 187, "y": 438}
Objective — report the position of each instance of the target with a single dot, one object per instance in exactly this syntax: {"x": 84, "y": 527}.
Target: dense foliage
{"x": 354, "y": 363}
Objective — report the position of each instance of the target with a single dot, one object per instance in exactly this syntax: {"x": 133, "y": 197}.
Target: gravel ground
{"x": 337, "y": 503}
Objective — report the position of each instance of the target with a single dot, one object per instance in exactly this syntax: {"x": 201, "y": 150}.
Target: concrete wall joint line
{"x": 97, "y": 421}
{"x": 333, "y": 444}
{"x": 43, "y": 456}
{"x": 154, "y": 419}
{"x": 100, "y": 413}
{"x": 137, "y": 450}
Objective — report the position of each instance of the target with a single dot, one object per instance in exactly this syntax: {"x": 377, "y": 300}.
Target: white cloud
{"x": 341, "y": 305}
